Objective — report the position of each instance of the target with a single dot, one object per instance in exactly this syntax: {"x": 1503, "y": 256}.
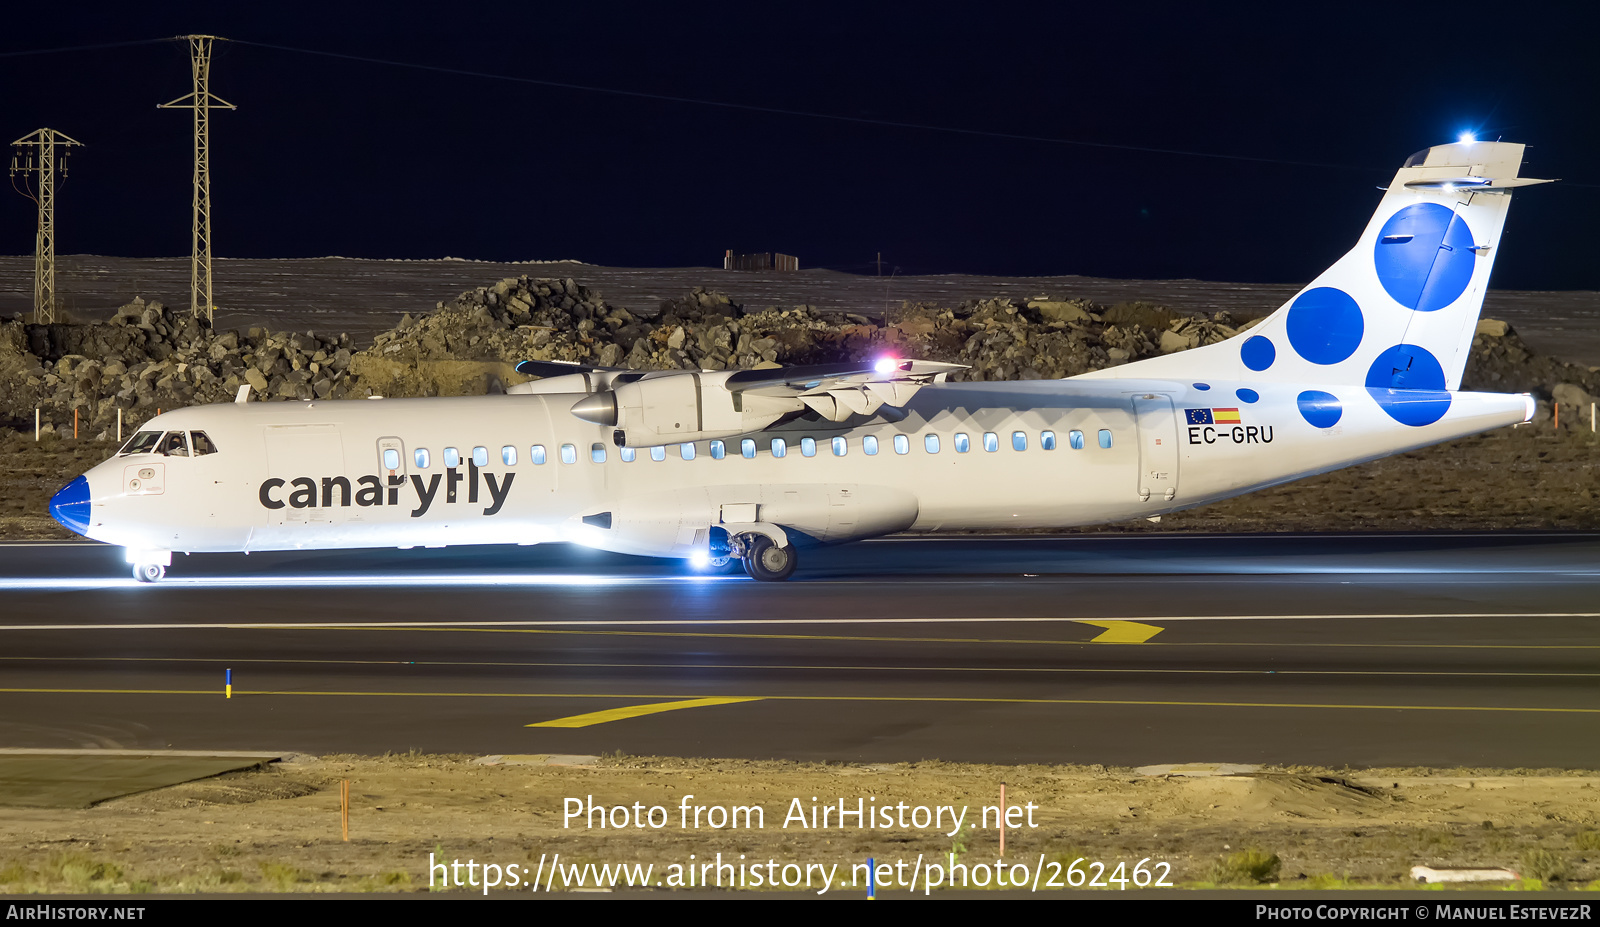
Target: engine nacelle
{"x": 589, "y": 381}
{"x": 676, "y": 407}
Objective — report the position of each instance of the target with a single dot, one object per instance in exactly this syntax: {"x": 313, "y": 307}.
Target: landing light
{"x": 700, "y": 559}
{"x": 1466, "y": 138}
{"x": 886, "y": 365}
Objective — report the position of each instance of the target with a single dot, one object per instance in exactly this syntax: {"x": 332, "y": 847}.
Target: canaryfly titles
{"x": 304, "y": 492}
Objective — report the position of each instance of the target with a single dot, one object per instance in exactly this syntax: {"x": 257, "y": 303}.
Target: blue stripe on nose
{"x": 70, "y": 506}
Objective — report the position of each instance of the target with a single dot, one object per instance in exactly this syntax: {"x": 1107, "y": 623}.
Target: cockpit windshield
{"x": 169, "y": 444}
{"x": 175, "y": 444}
{"x": 142, "y": 443}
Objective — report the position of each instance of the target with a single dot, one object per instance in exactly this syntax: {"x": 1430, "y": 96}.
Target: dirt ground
{"x": 1529, "y": 477}
{"x": 278, "y": 829}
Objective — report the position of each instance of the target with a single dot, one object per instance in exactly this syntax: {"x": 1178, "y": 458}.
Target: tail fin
{"x": 1400, "y": 309}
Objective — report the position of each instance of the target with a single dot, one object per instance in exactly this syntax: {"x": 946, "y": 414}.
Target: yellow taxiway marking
{"x": 1123, "y": 632}
{"x": 952, "y": 699}
{"x": 635, "y": 711}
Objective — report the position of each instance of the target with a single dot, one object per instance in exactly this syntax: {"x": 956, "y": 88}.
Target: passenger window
{"x": 686, "y": 450}
{"x": 963, "y": 443}
{"x": 628, "y": 454}
{"x": 508, "y": 455}
{"x": 142, "y": 443}
{"x": 808, "y": 447}
{"x": 930, "y": 443}
{"x": 202, "y": 444}
{"x": 840, "y": 446}
{"x": 779, "y": 448}
{"x": 991, "y": 442}
{"x": 869, "y": 445}
{"x": 659, "y": 452}
{"x": 175, "y": 444}
{"x": 718, "y": 450}
{"x": 1047, "y": 440}
{"x": 569, "y": 453}
{"x": 1019, "y": 440}
{"x": 480, "y": 456}
{"x": 597, "y": 452}
{"x": 747, "y": 447}
{"x": 1075, "y": 440}
{"x": 1105, "y": 437}
{"x": 902, "y": 444}
{"x": 391, "y": 459}
{"x": 536, "y": 454}
{"x": 420, "y": 456}
{"x": 452, "y": 457}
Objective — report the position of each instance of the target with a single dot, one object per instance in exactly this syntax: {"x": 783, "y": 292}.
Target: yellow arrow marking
{"x": 1123, "y": 632}
{"x": 635, "y": 711}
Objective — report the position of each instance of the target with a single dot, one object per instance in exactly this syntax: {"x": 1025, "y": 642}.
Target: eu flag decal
{"x": 1212, "y": 416}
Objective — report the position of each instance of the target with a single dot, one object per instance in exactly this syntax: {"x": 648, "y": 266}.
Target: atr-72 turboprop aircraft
{"x": 755, "y": 464}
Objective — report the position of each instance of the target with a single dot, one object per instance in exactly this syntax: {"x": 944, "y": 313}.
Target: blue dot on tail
{"x": 1320, "y": 409}
{"x": 1424, "y": 256}
{"x": 1408, "y": 383}
{"x": 1202, "y": 386}
{"x": 1258, "y": 353}
{"x": 1325, "y": 325}
{"x": 1247, "y": 395}
{"x": 1406, "y": 366}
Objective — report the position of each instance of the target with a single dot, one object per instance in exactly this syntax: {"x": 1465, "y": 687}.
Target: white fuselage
{"x": 1122, "y": 449}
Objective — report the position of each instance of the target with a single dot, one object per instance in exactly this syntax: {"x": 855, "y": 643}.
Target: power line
{"x": 74, "y": 48}
{"x": 779, "y": 111}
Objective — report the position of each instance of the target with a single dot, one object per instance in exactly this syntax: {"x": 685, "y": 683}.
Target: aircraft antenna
{"x": 202, "y": 101}
{"x": 35, "y": 154}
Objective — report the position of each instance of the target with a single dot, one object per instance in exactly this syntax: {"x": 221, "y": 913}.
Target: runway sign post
{"x": 227, "y": 686}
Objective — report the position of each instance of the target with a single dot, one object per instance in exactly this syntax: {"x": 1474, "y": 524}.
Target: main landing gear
{"x": 766, "y": 561}
{"x": 149, "y": 572}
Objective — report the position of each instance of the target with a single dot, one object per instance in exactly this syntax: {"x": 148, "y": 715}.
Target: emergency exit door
{"x": 1158, "y": 448}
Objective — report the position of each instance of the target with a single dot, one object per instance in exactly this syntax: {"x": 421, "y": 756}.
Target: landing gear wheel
{"x": 767, "y": 561}
{"x": 149, "y": 572}
{"x": 725, "y": 566}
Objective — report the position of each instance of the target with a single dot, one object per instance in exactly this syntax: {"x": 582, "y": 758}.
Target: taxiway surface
{"x": 1458, "y": 650}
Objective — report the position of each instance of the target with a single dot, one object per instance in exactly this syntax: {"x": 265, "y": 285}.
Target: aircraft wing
{"x": 838, "y": 391}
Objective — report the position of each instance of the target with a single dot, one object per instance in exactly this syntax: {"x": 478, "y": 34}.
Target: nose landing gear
{"x": 149, "y": 566}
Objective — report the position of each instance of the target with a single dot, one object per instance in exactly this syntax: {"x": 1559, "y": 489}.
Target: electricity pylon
{"x": 202, "y": 101}
{"x": 35, "y": 153}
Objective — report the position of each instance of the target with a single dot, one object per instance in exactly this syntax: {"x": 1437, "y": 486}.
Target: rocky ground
{"x": 279, "y": 829}
{"x": 149, "y": 357}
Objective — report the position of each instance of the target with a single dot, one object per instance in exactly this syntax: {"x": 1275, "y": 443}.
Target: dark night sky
{"x": 329, "y": 156}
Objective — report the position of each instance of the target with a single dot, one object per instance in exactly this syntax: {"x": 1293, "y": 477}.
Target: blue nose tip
{"x": 70, "y": 506}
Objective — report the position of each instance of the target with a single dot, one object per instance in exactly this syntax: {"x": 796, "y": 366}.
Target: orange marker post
{"x": 74, "y": 424}
{"x": 344, "y": 809}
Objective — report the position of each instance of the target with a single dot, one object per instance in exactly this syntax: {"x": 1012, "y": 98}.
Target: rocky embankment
{"x": 149, "y": 357}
